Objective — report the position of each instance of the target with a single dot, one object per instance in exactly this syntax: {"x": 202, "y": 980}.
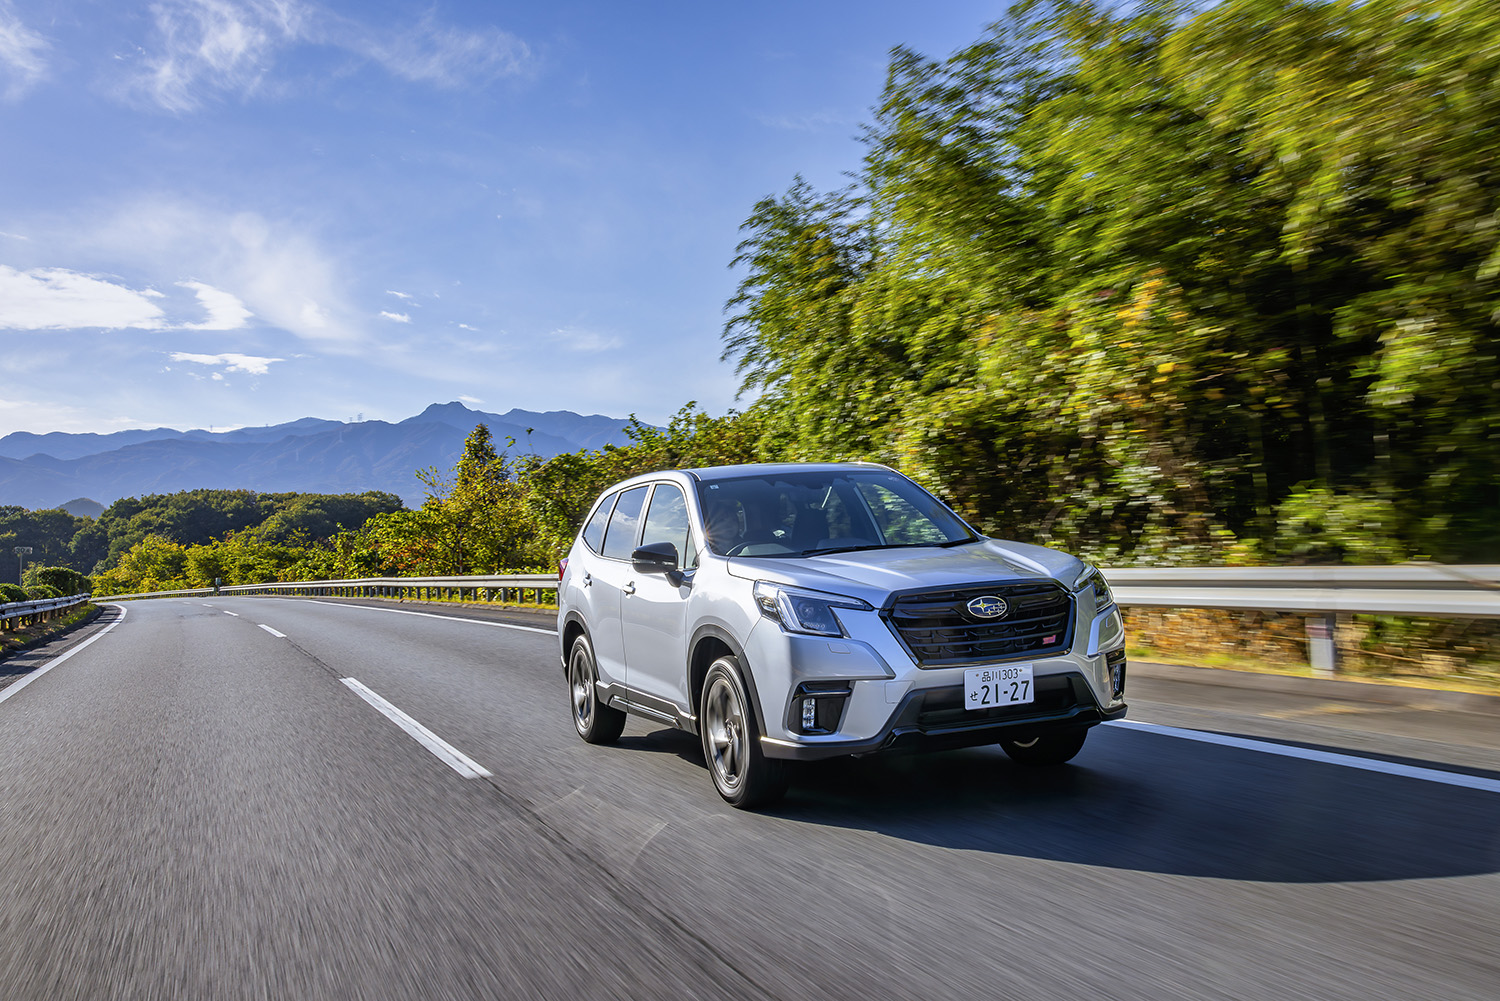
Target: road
{"x": 198, "y": 804}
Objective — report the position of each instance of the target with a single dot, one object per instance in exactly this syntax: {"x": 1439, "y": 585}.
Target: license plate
{"x": 988, "y": 687}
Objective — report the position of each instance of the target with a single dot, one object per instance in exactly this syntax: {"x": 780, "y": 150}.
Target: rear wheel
{"x": 1046, "y": 749}
{"x": 596, "y": 722}
{"x": 742, "y": 773}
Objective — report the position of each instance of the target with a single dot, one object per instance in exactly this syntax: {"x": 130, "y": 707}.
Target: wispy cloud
{"x": 476, "y": 401}
{"x": 205, "y": 49}
{"x": 215, "y": 45}
{"x": 225, "y": 311}
{"x": 816, "y": 121}
{"x": 448, "y": 57}
{"x": 578, "y": 339}
{"x": 230, "y": 362}
{"x": 58, "y": 299}
{"x": 398, "y": 295}
{"x": 276, "y": 271}
{"x": 22, "y": 59}
{"x": 397, "y": 317}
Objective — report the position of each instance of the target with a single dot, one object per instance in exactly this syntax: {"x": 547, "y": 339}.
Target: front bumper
{"x": 934, "y": 719}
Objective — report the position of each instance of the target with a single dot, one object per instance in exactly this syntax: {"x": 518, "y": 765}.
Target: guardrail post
{"x": 1322, "y": 648}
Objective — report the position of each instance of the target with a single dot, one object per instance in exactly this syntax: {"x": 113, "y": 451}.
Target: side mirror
{"x": 658, "y": 557}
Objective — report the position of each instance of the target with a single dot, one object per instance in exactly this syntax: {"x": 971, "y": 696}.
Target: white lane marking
{"x": 1323, "y": 757}
{"x": 446, "y": 618}
{"x": 235, "y": 614}
{"x": 441, "y": 749}
{"x": 280, "y": 636}
{"x": 13, "y": 689}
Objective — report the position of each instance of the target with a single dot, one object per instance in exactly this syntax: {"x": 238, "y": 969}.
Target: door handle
{"x": 588, "y": 579}
{"x": 629, "y": 588}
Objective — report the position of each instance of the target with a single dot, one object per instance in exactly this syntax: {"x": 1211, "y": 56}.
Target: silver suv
{"x": 790, "y": 612}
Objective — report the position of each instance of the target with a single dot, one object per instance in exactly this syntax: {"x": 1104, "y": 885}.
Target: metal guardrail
{"x": 23, "y": 613}
{"x": 493, "y": 587}
{"x": 1322, "y": 594}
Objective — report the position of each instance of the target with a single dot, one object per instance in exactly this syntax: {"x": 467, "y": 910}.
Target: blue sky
{"x": 218, "y": 213}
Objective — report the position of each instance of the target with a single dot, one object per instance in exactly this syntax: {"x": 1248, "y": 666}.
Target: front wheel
{"x": 742, "y": 773}
{"x": 596, "y": 722}
{"x": 1047, "y": 748}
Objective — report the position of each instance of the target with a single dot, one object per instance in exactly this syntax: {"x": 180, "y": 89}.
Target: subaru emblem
{"x": 987, "y": 606}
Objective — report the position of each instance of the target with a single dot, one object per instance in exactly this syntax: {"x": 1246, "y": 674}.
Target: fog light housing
{"x": 818, "y": 706}
{"x": 1115, "y": 660}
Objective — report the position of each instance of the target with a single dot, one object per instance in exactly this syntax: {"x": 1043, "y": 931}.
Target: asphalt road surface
{"x": 211, "y": 799}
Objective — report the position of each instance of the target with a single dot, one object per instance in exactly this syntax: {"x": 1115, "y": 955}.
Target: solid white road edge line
{"x": 13, "y": 689}
{"x": 1323, "y": 757}
{"x": 280, "y": 636}
{"x": 440, "y": 748}
{"x": 445, "y": 618}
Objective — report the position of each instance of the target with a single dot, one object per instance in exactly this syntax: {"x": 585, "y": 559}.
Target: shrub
{"x": 65, "y": 579}
{"x": 41, "y": 592}
{"x": 12, "y": 592}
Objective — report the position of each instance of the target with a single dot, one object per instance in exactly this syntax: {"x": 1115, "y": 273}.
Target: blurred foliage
{"x": 67, "y": 580}
{"x": 1128, "y": 279}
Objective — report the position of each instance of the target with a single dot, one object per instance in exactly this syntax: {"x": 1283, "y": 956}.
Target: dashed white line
{"x": 1323, "y": 757}
{"x": 280, "y": 636}
{"x": 440, "y": 748}
{"x": 13, "y": 689}
{"x": 235, "y": 614}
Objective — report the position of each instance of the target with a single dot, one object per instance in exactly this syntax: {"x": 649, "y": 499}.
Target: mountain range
{"x": 310, "y": 455}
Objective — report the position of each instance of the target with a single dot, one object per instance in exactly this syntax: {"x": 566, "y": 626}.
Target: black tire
{"x": 1046, "y": 749}
{"x": 595, "y": 722}
{"x": 741, "y": 772}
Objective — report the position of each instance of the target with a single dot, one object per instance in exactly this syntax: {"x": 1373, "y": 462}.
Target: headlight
{"x": 1093, "y": 579}
{"x": 801, "y": 611}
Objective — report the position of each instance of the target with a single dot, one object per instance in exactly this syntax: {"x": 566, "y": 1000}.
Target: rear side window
{"x": 619, "y": 537}
{"x": 667, "y": 521}
{"x": 593, "y": 532}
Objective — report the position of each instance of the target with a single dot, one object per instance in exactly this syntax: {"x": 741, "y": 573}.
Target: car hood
{"x": 874, "y": 574}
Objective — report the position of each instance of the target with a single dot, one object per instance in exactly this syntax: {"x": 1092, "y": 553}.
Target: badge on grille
{"x": 987, "y": 606}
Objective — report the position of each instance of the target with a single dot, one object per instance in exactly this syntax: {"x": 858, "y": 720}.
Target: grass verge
{"x": 14, "y": 640}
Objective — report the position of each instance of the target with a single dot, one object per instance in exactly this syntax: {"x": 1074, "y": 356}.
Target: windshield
{"x": 807, "y": 513}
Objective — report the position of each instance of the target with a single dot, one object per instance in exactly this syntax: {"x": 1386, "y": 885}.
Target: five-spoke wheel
{"x": 596, "y": 722}
{"x": 742, "y": 773}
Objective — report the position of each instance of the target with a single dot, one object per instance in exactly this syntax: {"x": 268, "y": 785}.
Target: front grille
{"x": 939, "y": 632}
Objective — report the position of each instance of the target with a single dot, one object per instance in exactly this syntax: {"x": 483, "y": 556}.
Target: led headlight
{"x": 801, "y": 611}
{"x": 1092, "y": 579}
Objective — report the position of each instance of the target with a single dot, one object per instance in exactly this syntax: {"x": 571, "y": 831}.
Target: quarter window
{"x": 619, "y": 538}
{"x": 593, "y": 532}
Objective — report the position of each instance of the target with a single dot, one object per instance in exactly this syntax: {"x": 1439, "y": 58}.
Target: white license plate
{"x": 987, "y": 687}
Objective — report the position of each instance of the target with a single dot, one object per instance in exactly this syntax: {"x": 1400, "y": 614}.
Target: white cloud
{"x": 816, "y": 121}
{"x": 578, "y": 339}
{"x": 447, "y": 57}
{"x": 470, "y": 399}
{"x": 58, "y": 299}
{"x": 21, "y": 55}
{"x": 278, "y": 273}
{"x": 208, "y": 48}
{"x": 225, "y": 311}
{"x": 465, "y": 326}
{"x": 397, "y": 317}
{"x": 249, "y": 364}
{"x": 398, "y": 295}
{"x": 215, "y": 45}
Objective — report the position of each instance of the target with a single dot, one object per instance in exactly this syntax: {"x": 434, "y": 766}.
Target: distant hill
{"x": 309, "y": 455}
{"x": 82, "y": 507}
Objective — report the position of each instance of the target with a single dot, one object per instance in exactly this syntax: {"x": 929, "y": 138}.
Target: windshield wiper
{"x": 841, "y": 549}
{"x": 957, "y": 542}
